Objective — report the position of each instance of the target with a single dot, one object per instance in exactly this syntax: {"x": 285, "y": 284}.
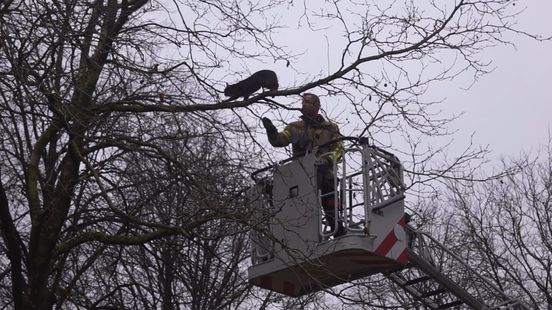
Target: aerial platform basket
{"x": 293, "y": 251}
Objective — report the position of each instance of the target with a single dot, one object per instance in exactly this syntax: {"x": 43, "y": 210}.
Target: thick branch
{"x": 33, "y": 170}
{"x": 117, "y": 239}
{"x": 13, "y": 246}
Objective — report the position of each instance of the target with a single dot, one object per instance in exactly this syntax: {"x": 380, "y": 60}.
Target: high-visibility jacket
{"x": 308, "y": 133}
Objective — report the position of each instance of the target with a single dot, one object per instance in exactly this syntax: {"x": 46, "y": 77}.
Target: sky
{"x": 508, "y": 110}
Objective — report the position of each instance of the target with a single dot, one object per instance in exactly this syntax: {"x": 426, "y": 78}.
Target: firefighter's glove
{"x": 270, "y": 128}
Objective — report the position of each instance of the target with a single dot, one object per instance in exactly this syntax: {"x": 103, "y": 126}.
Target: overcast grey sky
{"x": 510, "y": 109}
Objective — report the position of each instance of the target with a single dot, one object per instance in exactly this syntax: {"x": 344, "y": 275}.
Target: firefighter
{"x": 311, "y": 131}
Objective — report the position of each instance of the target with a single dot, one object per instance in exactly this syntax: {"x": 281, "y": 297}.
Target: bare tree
{"x": 171, "y": 272}
{"x": 506, "y": 226}
{"x": 91, "y": 91}
{"x": 64, "y": 156}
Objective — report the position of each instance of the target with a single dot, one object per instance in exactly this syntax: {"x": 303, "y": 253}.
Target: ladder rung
{"x": 451, "y": 304}
{"x": 435, "y": 292}
{"x": 354, "y": 189}
{"x": 417, "y": 280}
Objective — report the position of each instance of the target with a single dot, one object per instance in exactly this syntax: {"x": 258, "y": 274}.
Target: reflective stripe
{"x": 286, "y": 134}
{"x": 338, "y": 150}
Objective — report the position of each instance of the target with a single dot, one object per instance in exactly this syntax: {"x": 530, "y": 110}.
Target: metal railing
{"x": 367, "y": 179}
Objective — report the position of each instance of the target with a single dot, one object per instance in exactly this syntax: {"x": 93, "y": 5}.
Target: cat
{"x": 264, "y": 78}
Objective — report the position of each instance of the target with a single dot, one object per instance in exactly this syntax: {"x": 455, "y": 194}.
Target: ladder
{"x": 447, "y": 282}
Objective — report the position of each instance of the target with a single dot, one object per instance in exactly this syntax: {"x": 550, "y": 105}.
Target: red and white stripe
{"x": 391, "y": 242}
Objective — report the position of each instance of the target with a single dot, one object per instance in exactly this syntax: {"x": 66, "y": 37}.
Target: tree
{"x": 202, "y": 270}
{"x": 92, "y": 90}
{"x": 65, "y": 158}
{"x": 506, "y": 224}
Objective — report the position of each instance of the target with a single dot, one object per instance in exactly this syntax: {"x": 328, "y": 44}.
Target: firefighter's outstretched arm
{"x": 274, "y": 137}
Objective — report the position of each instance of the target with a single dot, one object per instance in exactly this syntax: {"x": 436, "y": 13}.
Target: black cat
{"x": 263, "y": 78}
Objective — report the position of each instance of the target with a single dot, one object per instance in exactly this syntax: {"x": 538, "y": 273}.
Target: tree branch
{"x": 13, "y": 246}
